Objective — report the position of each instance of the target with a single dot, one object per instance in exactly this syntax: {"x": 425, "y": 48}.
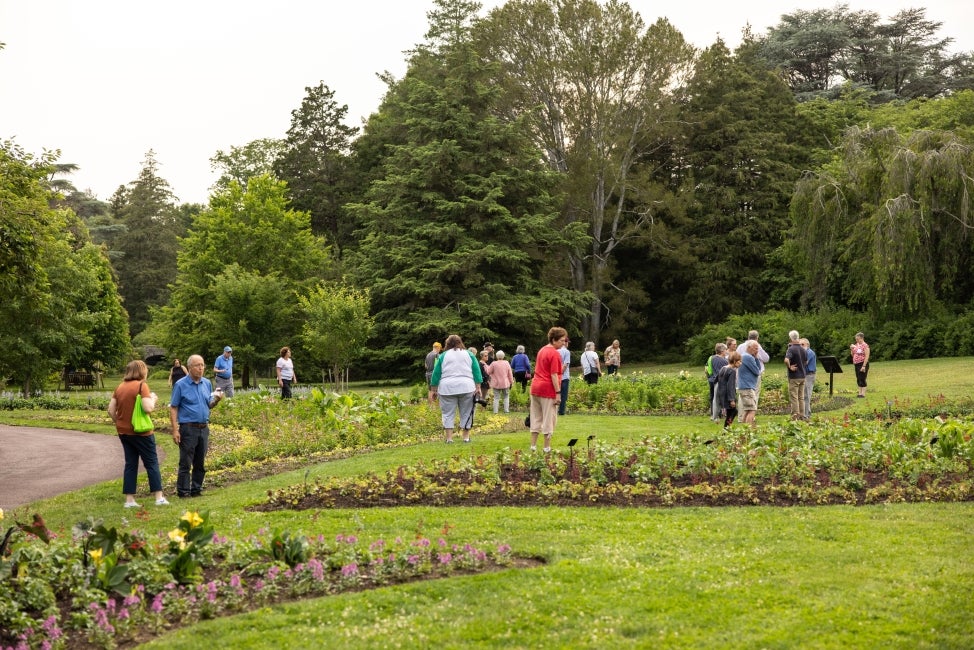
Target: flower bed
{"x": 105, "y": 589}
{"x": 851, "y": 462}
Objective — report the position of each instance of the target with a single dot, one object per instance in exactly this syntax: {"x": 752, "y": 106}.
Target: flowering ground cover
{"x": 105, "y": 588}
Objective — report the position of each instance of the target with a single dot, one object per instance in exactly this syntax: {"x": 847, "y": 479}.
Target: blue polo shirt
{"x": 191, "y": 399}
{"x": 748, "y": 373}
{"x": 223, "y": 367}
{"x": 812, "y": 358}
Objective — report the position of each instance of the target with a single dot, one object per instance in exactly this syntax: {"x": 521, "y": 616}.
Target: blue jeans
{"x": 136, "y": 447}
{"x": 193, "y": 443}
{"x": 564, "y": 396}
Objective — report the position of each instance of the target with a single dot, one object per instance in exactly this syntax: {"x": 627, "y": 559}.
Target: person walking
{"x": 810, "y": 369}
{"x": 456, "y": 380}
{"x": 223, "y": 371}
{"x": 136, "y": 445}
{"x": 501, "y": 380}
{"x": 546, "y": 389}
{"x": 285, "y": 373}
{"x": 189, "y": 414}
{"x": 860, "y": 359}
{"x": 521, "y": 365}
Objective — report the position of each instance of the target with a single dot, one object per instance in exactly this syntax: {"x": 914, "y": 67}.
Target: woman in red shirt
{"x": 546, "y": 388}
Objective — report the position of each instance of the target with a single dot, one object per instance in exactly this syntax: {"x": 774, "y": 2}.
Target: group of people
{"x": 734, "y": 374}
{"x": 459, "y": 378}
{"x": 192, "y": 398}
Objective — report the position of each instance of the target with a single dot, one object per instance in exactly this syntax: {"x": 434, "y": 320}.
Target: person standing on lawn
{"x": 725, "y": 391}
{"x": 430, "y": 363}
{"x": 456, "y": 382}
{"x": 521, "y": 365}
{"x": 136, "y": 445}
{"x": 748, "y": 380}
{"x": 566, "y": 363}
{"x": 189, "y": 414}
{"x": 546, "y": 388}
{"x": 223, "y": 371}
{"x": 613, "y": 358}
{"x": 860, "y": 359}
{"x": 285, "y": 373}
{"x": 809, "y": 375}
{"x": 501, "y": 380}
{"x": 796, "y": 361}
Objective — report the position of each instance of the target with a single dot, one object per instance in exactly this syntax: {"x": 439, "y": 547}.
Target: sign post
{"x": 831, "y": 365}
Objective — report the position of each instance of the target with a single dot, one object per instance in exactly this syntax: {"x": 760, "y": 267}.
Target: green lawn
{"x": 892, "y": 576}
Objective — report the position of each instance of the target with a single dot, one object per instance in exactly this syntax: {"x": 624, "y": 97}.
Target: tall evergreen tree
{"x": 746, "y": 146}
{"x": 457, "y": 226}
{"x": 314, "y": 163}
{"x": 147, "y": 261}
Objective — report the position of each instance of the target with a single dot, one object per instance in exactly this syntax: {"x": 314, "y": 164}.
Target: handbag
{"x": 141, "y": 422}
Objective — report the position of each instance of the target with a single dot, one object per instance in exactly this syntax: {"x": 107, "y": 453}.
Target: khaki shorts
{"x": 747, "y": 399}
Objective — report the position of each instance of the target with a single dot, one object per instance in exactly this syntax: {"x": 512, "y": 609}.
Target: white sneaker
{"x": 547, "y": 450}
{"x": 132, "y": 504}
{"x": 533, "y": 448}
{"x": 161, "y": 501}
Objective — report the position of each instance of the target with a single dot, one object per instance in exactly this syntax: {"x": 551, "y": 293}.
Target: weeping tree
{"x": 887, "y": 226}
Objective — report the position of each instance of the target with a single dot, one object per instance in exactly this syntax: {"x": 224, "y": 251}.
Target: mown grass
{"x": 895, "y": 576}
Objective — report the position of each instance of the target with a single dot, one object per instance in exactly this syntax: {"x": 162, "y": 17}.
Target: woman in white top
{"x": 456, "y": 380}
{"x": 591, "y": 368}
{"x": 285, "y": 373}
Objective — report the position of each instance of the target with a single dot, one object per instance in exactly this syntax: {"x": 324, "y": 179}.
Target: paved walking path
{"x": 42, "y": 463}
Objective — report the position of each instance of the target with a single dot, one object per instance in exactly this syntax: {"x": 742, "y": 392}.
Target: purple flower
{"x": 413, "y": 559}
{"x": 445, "y": 558}
{"x": 442, "y": 543}
{"x": 235, "y": 580}
{"x": 157, "y": 604}
{"x": 350, "y": 570}
{"x": 503, "y": 549}
{"x": 351, "y": 539}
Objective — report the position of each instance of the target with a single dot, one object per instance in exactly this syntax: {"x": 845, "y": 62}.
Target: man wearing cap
{"x": 491, "y": 355}
{"x": 223, "y": 370}
{"x": 430, "y": 363}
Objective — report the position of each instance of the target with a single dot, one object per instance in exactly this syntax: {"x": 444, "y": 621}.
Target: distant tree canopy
{"x": 241, "y": 267}
{"x": 59, "y": 302}
{"x": 903, "y": 58}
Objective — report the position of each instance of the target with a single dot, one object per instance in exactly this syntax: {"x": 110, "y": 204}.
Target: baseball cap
{"x": 227, "y": 348}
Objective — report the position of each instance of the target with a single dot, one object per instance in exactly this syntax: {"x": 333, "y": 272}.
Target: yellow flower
{"x": 177, "y": 535}
{"x": 95, "y": 554}
{"x": 1, "y": 514}
{"x": 193, "y": 518}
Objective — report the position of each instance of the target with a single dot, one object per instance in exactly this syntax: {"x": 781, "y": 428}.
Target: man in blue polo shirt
{"x": 223, "y": 371}
{"x": 189, "y": 414}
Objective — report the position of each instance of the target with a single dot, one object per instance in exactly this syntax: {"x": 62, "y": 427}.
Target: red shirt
{"x": 548, "y": 365}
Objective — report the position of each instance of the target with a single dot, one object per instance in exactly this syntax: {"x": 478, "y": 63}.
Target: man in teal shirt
{"x": 223, "y": 370}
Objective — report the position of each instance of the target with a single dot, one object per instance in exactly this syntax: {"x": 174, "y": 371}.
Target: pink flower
{"x": 350, "y": 570}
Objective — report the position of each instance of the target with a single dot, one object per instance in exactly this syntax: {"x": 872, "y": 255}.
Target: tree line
{"x": 548, "y": 162}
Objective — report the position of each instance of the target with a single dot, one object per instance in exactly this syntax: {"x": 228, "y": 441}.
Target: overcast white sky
{"x": 104, "y": 81}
